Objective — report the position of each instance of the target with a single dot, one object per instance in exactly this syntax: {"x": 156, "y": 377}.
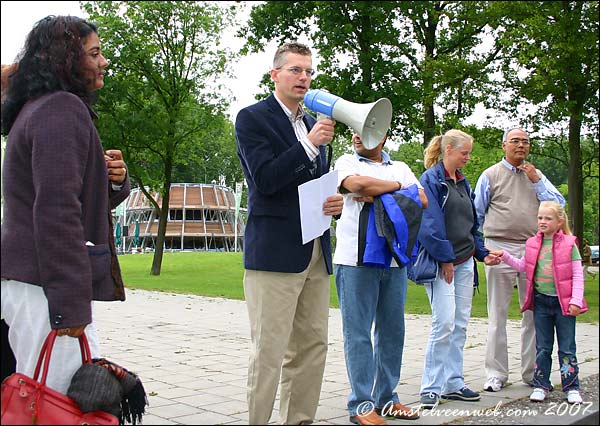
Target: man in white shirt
{"x": 370, "y": 294}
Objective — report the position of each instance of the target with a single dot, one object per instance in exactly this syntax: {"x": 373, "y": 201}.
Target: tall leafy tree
{"x": 161, "y": 98}
{"x": 428, "y": 58}
{"x": 551, "y": 61}
{"x": 213, "y": 157}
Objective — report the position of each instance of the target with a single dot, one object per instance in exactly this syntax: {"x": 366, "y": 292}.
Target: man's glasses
{"x": 517, "y": 141}
{"x": 297, "y": 71}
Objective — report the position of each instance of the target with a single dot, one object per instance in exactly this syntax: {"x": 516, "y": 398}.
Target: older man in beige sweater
{"x": 507, "y": 196}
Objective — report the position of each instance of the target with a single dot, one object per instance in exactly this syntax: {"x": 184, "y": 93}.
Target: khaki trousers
{"x": 288, "y": 324}
{"x": 500, "y": 284}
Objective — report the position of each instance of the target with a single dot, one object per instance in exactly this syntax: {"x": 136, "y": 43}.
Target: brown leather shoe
{"x": 371, "y": 418}
{"x": 398, "y": 411}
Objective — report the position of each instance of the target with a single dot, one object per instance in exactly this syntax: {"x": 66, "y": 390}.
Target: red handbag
{"x": 27, "y": 401}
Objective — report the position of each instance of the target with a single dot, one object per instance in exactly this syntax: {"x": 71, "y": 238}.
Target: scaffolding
{"x": 202, "y": 217}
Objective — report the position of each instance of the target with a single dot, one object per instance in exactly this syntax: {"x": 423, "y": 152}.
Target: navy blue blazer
{"x": 275, "y": 164}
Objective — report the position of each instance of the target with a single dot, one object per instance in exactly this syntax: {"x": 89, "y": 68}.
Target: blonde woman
{"x": 449, "y": 234}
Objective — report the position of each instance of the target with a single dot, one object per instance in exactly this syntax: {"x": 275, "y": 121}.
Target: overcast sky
{"x": 18, "y": 18}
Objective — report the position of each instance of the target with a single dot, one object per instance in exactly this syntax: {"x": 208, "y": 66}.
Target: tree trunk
{"x": 429, "y": 94}
{"x": 575, "y": 177}
{"x": 429, "y": 131}
{"x": 162, "y": 228}
{"x": 162, "y": 223}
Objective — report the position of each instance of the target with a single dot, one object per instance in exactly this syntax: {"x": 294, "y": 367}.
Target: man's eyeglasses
{"x": 297, "y": 71}
{"x": 517, "y": 141}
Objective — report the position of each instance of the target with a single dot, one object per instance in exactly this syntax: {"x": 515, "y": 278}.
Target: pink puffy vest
{"x": 562, "y": 248}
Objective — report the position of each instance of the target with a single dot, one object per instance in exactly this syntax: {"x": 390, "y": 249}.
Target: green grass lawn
{"x": 221, "y": 274}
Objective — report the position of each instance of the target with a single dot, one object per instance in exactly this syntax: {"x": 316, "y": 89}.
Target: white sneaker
{"x": 538, "y": 395}
{"x": 493, "y": 384}
{"x": 573, "y": 397}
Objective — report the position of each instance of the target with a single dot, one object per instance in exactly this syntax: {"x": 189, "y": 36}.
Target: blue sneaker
{"x": 429, "y": 400}
{"x": 465, "y": 394}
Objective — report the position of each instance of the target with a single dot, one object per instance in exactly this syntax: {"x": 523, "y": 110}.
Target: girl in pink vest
{"x": 554, "y": 271}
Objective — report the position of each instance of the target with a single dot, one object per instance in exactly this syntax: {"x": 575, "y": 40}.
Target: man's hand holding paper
{"x": 319, "y": 201}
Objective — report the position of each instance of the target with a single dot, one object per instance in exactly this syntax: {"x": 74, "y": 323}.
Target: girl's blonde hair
{"x": 559, "y": 212}
{"x": 435, "y": 150}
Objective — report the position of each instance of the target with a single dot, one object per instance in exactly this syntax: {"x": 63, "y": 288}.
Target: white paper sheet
{"x": 312, "y": 195}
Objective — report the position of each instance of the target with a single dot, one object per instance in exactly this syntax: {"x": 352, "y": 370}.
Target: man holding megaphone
{"x": 286, "y": 283}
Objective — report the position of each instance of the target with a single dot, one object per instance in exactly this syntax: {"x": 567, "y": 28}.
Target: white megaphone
{"x": 370, "y": 121}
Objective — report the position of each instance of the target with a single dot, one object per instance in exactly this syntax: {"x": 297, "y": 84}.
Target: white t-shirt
{"x": 346, "y": 250}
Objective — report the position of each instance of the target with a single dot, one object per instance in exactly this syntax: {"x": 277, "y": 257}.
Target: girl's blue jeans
{"x": 548, "y": 317}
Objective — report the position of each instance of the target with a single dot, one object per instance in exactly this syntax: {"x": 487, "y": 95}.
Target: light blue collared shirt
{"x": 544, "y": 189}
{"x": 385, "y": 158}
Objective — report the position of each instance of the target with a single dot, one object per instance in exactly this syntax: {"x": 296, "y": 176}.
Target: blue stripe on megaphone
{"x": 318, "y": 100}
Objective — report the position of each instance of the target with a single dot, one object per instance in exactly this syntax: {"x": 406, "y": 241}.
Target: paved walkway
{"x": 191, "y": 353}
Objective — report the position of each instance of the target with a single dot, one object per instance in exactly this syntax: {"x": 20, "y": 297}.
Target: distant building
{"x": 202, "y": 217}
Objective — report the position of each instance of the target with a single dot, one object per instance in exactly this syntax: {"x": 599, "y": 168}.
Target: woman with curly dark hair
{"x": 59, "y": 186}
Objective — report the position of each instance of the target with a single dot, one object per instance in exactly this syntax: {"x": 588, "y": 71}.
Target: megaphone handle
{"x": 321, "y": 116}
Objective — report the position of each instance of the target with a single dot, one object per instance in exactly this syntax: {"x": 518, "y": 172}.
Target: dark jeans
{"x": 8, "y": 358}
{"x": 548, "y": 316}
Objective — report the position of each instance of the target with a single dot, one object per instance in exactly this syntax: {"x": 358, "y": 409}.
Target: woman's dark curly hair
{"x": 51, "y": 60}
